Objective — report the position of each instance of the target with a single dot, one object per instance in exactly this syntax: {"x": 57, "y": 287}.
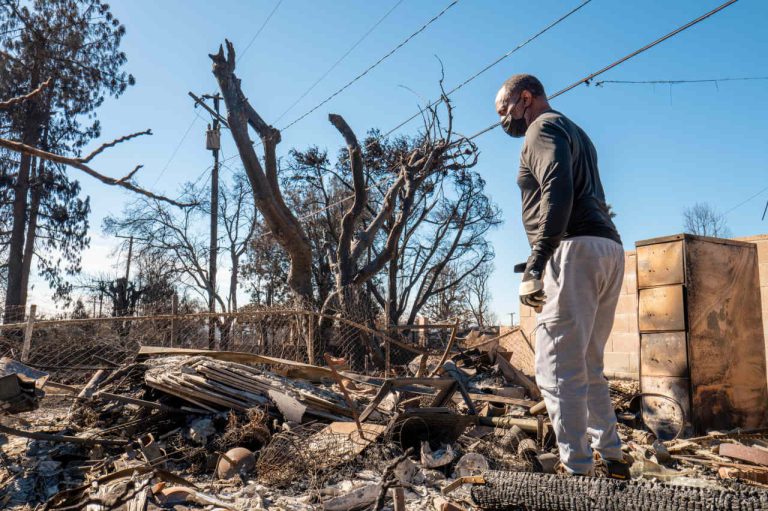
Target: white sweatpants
{"x": 582, "y": 282}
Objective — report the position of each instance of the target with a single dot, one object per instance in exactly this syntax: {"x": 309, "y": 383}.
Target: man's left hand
{"x": 532, "y": 289}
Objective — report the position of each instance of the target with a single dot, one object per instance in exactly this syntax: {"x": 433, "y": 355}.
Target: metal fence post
{"x": 28, "y": 333}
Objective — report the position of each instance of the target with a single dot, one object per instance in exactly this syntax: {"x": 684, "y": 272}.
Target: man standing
{"x": 573, "y": 276}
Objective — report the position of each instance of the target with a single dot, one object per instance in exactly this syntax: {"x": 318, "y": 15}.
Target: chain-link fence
{"x": 72, "y": 349}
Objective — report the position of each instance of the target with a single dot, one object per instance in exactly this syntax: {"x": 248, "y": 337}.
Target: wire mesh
{"x": 71, "y": 349}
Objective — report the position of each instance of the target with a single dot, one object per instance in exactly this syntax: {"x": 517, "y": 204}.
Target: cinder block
{"x": 528, "y": 324}
{"x": 632, "y": 324}
{"x": 620, "y": 324}
{"x": 627, "y": 304}
{"x": 622, "y": 375}
{"x": 624, "y": 324}
{"x": 626, "y": 342}
{"x": 634, "y": 362}
{"x": 762, "y": 251}
{"x": 617, "y": 361}
{"x": 763, "y": 271}
{"x": 629, "y": 286}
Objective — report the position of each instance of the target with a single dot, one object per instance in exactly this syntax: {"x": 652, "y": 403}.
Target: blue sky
{"x": 660, "y": 149}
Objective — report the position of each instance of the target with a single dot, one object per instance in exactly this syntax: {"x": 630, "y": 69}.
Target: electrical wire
{"x": 372, "y": 66}
{"x": 635, "y": 53}
{"x": 481, "y": 71}
{"x": 350, "y": 50}
{"x": 494, "y": 63}
{"x": 258, "y": 32}
{"x": 644, "y": 48}
{"x": 740, "y": 204}
{"x": 559, "y": 93}
{"x": 570, "y": 87}
{"x": 675, "y": 82}
{"x": 176, "y": 150}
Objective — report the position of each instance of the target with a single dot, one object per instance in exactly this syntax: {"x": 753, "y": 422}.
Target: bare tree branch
{"x": 116, "y": 141}
{"x": 78, "y": 164}
{"x": 5, "y": 105}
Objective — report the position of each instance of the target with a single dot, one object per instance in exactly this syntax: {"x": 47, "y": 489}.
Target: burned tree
{"x": 357, "y": 258}
{"x": 61, "y": 58}
{"x": 13, "y": 312}
{"x": 159, "y": 230}
{"x": 264, "y": 180}
{"x": 443, "y": 247}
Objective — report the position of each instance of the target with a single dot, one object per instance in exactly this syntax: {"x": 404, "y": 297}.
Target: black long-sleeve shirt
{"x": 561, "y": 189}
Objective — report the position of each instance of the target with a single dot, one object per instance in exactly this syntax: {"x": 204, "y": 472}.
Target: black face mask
{"x": 514, "y": 127}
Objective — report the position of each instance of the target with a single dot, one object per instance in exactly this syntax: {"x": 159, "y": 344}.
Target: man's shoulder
{"x": 551, "y": 119}
{"x": 548, "y": 124}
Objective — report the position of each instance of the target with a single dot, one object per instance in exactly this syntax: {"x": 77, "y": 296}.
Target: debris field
{"x": 462, "y": 429}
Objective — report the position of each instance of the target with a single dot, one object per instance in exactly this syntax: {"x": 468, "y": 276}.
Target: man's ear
{"x": 527, "y": 98}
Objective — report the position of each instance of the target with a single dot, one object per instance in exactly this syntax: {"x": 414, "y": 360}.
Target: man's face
{"x": 507, "y": 104}
{"x": 512, "y": 112}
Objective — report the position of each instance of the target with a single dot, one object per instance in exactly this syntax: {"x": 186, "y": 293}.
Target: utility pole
{"x": 128, "y": 263}
{"x": 511, "y": 319}
{"x": 213, "y": 144}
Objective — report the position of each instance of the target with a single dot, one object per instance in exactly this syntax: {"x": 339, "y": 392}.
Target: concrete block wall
{"x": 623, "y": 347}
{"x": 622, "y": 352}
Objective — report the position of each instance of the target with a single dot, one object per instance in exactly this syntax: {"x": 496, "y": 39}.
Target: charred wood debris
{"x": 462, "y": 429}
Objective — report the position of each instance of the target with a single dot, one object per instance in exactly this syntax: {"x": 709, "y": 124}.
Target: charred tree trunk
{"x": 36, "y": 185}
{"x": 547, "y": 492}
{"x": 264, "y": 181}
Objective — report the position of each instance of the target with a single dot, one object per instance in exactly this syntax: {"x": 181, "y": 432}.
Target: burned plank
{"x": 744, "y": 453}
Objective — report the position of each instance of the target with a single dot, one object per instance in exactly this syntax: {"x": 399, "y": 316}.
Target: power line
{"x": 645, "y": 48}
{"x": 374, "y": 65}
{"x": 561, "y": 92}
{"x": 675, "y": 82}
{"x": 480, "y": 72}
{"x": 176, "y": 150}
{"x": 635, "y": 53}
{"x": 740, "y": 204}
{"x": 492, "y": 64}
{"x": 261, "y": 28}
{"x": 328, "y": 71}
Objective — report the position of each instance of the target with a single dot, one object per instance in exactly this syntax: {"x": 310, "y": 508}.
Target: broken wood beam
{"x": 350, "y": 402}
{"x": 398, "y": 499}
{"x": 296, "y": 369}
{"x": 744, "y": 453}
{"x": 507, "y": 422}
{"x": 493, "y": 398}
{"x": 514, "y": 375}
{"x": 448, "y": 348}
{"x": 49, "y": 437}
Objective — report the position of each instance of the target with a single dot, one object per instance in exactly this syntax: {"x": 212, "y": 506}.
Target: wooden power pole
{"x": 213, "y": 144}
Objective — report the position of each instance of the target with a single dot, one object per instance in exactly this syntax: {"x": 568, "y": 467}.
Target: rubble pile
{"x": 197, "y": 429}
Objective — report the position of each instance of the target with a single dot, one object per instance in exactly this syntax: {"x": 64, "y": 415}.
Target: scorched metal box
{"x": 701, "y": 334}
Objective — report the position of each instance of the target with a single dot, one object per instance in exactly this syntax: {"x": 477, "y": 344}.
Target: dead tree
{"x": 264, "y": 180}
{"x": 353, "y": 263}
{"x": 17, "y": 278}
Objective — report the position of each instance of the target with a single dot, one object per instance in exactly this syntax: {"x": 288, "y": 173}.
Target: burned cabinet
{"x": 701, "y": 334}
